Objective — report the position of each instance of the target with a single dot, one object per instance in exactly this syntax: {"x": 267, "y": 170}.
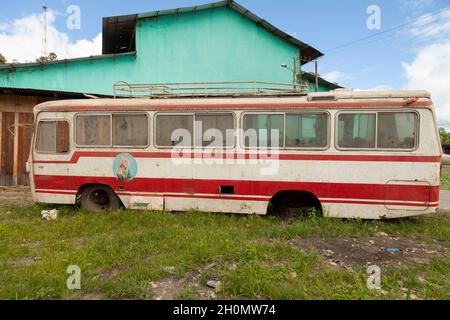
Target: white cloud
{"x": 431, "y": 27}
{"x": 333, "y": 76}
{"x": 21, "y": 40}
{"x": 370, "y": 69}
{"x": 430, "y": 70}
{"x": 415, "y": 6}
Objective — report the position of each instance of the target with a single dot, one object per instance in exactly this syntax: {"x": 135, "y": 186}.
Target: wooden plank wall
{"x": 6, "y": 155}
{"x": 16, "y": 116}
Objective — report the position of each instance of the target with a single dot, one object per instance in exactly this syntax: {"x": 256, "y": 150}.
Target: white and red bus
{"x": 369, "y": 155}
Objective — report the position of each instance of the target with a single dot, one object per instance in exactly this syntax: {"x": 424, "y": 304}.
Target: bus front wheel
{"x": 98, "y": 198}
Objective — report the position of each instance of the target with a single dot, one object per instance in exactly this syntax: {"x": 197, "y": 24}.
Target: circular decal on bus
{"x": 125, "y": 167}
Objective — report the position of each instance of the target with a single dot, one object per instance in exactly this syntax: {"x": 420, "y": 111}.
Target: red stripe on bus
{"x": 220, "y": 197}
{"x": 238, "y": 106}
{"x": 389, "y": 192}
{"x": 202, "y": 196}
{"x": 400, "y": 204}
{"x": 246, "y": 156}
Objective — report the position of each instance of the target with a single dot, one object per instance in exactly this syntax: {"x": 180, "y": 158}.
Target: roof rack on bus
{"x": 123, "y": 89}
{"x": 347, "y": 94}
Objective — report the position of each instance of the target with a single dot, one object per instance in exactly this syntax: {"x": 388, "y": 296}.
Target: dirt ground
{"x": 169, "y": 288}
{"x": 15, "y": 196}
{"x": 351, "y": 252}
{"x": 446, "y": 169}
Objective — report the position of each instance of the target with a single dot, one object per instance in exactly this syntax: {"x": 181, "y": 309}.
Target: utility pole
{"x": 44, "y": 50}
{"x": 294, "y": 73}
{"x": 316, "y": 71}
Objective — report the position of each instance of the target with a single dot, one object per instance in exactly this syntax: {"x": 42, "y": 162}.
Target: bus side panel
{"x": 373, "y": 212}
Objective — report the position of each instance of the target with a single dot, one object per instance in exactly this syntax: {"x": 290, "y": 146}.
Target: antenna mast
{"x": 44, "y": 38}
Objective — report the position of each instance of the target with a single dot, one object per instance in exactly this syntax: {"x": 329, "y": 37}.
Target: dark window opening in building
{"x": 119, "y": 34}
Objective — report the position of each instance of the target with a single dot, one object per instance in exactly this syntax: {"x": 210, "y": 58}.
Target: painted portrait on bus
{"x": 125, "y": 167}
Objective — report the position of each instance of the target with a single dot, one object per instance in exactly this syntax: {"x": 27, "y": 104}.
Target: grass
{"x": 121, "y": 253}
{"x": 445, "y": 182}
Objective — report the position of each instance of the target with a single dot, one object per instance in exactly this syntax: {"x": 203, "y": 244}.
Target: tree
{"x": 2, "y": 59}
{"x": 51, "y": 57}
{"x": 445, "y": 136}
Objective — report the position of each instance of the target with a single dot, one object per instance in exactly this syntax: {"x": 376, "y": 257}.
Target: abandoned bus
{"x": 369, "y": 155}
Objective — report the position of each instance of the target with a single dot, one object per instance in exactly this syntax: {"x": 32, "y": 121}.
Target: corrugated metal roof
{"x": 40, "y": 92}
{"x": 308, "y": 52}
{"x": 65, "y": 61}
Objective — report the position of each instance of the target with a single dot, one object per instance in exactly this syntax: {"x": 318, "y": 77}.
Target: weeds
{"x": 121, "y": 253}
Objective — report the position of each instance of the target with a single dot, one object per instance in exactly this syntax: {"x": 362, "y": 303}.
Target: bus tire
{"x": 98, "y": 198}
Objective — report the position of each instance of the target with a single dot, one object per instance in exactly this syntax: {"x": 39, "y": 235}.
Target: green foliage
{"x": 2, "y": 59}
{"x": 445, "y": 182}
{"x": 51, "y": 57}
{"x": 445, "y": 136}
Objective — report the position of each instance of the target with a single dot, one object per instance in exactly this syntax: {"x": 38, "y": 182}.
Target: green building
{"x": 220, "y": 41}
{"x": 216, "y": 42}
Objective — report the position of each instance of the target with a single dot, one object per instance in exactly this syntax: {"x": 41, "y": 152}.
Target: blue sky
{"x": 379, "y": 62}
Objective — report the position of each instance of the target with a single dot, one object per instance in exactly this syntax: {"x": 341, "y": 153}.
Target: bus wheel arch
{"x": 298, "y": 202}
{"x": 98, "y": 197}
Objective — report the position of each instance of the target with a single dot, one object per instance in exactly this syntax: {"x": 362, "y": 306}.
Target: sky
{"x": 367, "y": 44}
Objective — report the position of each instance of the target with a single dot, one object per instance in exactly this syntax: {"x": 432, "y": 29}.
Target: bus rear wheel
{"x": 294, "y": 204}
{"x": 98, "y": 198}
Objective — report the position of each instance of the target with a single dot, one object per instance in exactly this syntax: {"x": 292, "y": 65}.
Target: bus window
{"x": 267, "y": 129}
{"x": 357, "y": 130}
{"x": 306, "y": 130}
{"x": 53, "y": 137}
{"x": 214, "y": 130}
{"x": 174, "y": 130}
{"x": 93, "y": 130}
{"x": 130, "y": 130}
{"x": 397, "y": 130}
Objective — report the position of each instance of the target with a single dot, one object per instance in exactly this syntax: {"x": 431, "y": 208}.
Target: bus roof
{"x": 341, "y": 98}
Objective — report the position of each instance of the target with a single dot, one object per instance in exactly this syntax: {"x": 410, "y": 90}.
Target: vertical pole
{"x": 299, "y": 78}
{"x": 16, "y": 150}
{"x": 294, "y": 71}
{"x": 44, "y": 39}
{"x": 316, "y": 67}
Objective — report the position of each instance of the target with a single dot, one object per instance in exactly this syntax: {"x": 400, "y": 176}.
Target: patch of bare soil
{"x": 24, "y": 262}
{"x": 169, "y": 288}
{"x": 200, "y": 284}
{"x": 15, "y": 196}
{"x": 350, "y": 252}
{"x": 440, "y": 213}
{"x": 91, "y": 296}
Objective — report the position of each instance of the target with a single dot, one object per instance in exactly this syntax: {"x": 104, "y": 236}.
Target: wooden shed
{"x": 16, "y": 128}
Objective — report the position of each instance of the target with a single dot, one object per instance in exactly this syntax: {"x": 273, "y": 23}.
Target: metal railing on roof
{"x": 207, "y": 89}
